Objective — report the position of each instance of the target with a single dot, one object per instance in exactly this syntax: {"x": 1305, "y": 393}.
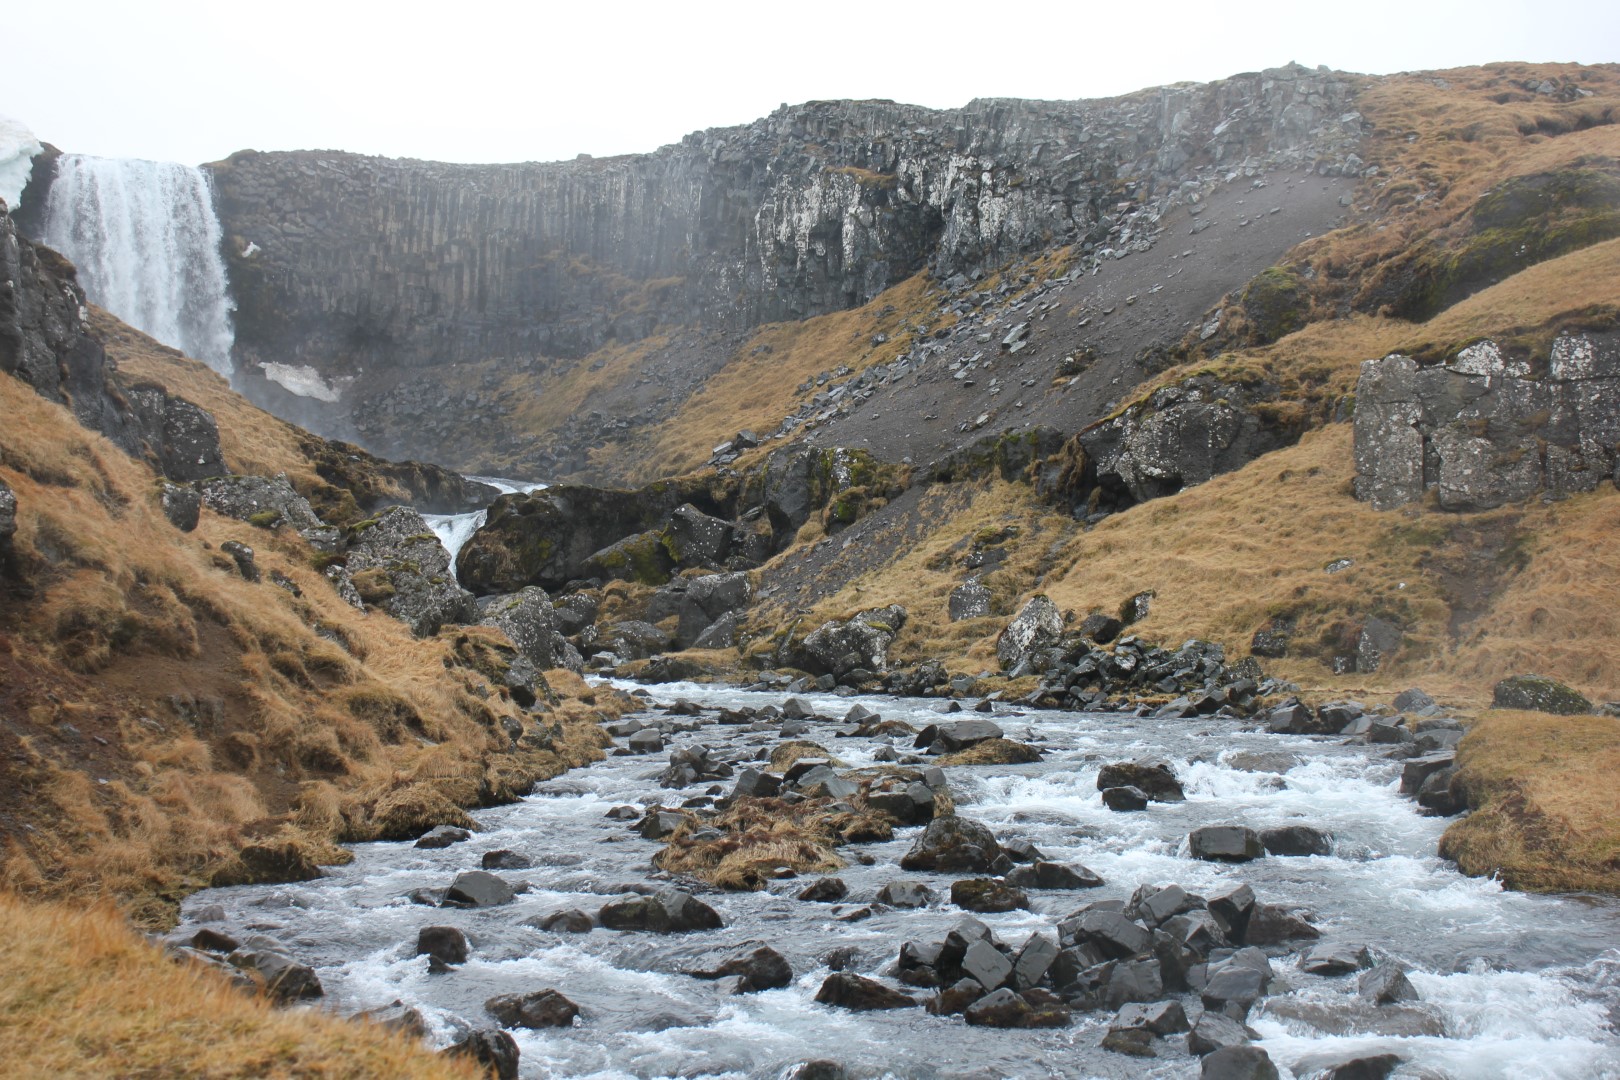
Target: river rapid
{"x": 1512, "y": 985}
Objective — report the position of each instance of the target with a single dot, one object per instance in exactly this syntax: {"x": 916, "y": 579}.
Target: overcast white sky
{"x": 494, "y": 81}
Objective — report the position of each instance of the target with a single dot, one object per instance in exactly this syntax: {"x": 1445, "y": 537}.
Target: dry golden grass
{"x": 759, "y": 384}
{"x": 1542, "y": 789}
{"x": 548, "y": 406}
{"x": 253, "y": 440}
{"x": 763, "y": 836}
{"x": 1442, "y": 139}
{"x": 84, "y": 996}
{"x": 208, "y": 714}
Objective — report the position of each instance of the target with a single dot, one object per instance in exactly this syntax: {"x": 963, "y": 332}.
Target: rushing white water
{"x": 454, "y": 530}
{"x": 146, "y": 240}
{"x": 1512, "y": 985}
{"x": 17, "y": 149}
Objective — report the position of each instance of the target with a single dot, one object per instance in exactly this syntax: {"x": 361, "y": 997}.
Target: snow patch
{"x": 17, "y": 149}
{"x": 303, "y": 380}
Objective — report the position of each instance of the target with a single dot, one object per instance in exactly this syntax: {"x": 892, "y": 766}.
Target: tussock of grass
{"x": 762, "y": 836}
{"x": 992, "y": 752}
{"x": 783, "y": 755}
{"x": 84, "y": 996}
{"x": 1542, "y": 792}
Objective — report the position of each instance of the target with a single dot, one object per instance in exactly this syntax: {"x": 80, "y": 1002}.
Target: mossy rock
{"x": 1276, "y": 303}
{"x": 1537, "y": 693}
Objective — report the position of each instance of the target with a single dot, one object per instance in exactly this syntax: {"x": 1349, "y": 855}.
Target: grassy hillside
{"x": 168, "y": 724}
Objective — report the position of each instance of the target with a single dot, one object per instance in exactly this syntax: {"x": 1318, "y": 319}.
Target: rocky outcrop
{"x": 1489, "y": 426}
{"x": 46, "y": 341}
{"x": 709, "y": 520}
{"x": 45, "y": 338}
{"x": 1181, "y": 435}
{"x": 342, "y": 261}
{"x": 398, "y": 564}
{"x": 268, "y": 502}
{"x": 527, "y": 618}
{"x": 843, "y": 647}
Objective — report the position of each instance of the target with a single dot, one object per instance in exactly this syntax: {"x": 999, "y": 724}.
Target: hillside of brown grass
{"x": 165, "y": 723}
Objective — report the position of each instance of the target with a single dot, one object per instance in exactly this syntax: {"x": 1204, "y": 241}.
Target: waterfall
{"x": 147, "y": 244}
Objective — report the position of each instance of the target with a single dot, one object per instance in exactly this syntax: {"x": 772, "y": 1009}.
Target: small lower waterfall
{"x": 146, "y": 240}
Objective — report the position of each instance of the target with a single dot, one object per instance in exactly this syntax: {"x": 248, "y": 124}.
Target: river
{"x": 1512, "y": 985}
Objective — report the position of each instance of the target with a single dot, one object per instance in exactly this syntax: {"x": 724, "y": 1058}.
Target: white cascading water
{"x": 146, "y": 240}
{"x": 454, "y": 530}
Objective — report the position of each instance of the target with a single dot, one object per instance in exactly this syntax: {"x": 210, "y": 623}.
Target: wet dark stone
{"x": 668, "y": 911}
{"x": 987, "y": 895}
{"x": 476, "y": 888}
{"x": 850, "y": 991}
{"x": 825, "y": 890}
{"x": 1125, "y": 798}
{"x": 492, "y": 1048}
{"x": 1238, "y": 1063}
{"x": 1153, "y": 779}
{"x": 1225, "y": 843}
{"x": 1296, "y": 840}
{"x": 444, "y": 943}
{"x": 541, "y": 1009}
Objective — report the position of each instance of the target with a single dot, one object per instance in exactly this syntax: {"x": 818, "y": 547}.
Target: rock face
{"x": 267, "y": 502}
{"x": 1489, "y": 427}
{"x": 45, "y": 341}
{"x": 385, "y": 265}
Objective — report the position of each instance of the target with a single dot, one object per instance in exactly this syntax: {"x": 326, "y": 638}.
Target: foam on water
{"x": 454, "y": 530}
{"x": 1515, "y": 984}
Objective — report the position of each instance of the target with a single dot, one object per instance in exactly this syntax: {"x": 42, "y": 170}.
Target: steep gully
{"x": 1508, "y": 985}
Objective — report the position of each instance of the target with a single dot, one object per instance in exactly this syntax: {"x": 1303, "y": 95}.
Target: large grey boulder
{"x": 697, "y": 539}
{"x": 1037, "y": 625}
{"x": 398, "y": 564}
{"x": 1537, "y": 693}
{"x": 969, "y": 600}
{"x": 1182, "y": 435}
{"x": 178, "y": 437}
{"x": 478, "y": 888}
{"x": 859, "y": 643}
{"x": 541, "y": 1009}
{"x": 1225, "y": 843}
{"x": 707, "y": 599}
{"x": 953, "y": 844}
{"x": 527, "y": 618}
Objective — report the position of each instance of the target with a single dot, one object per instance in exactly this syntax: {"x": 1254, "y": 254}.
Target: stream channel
{"x": 1512, "y": 985}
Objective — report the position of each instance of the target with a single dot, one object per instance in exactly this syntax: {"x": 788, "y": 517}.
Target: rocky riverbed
{"x": 1319, "y": 926}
